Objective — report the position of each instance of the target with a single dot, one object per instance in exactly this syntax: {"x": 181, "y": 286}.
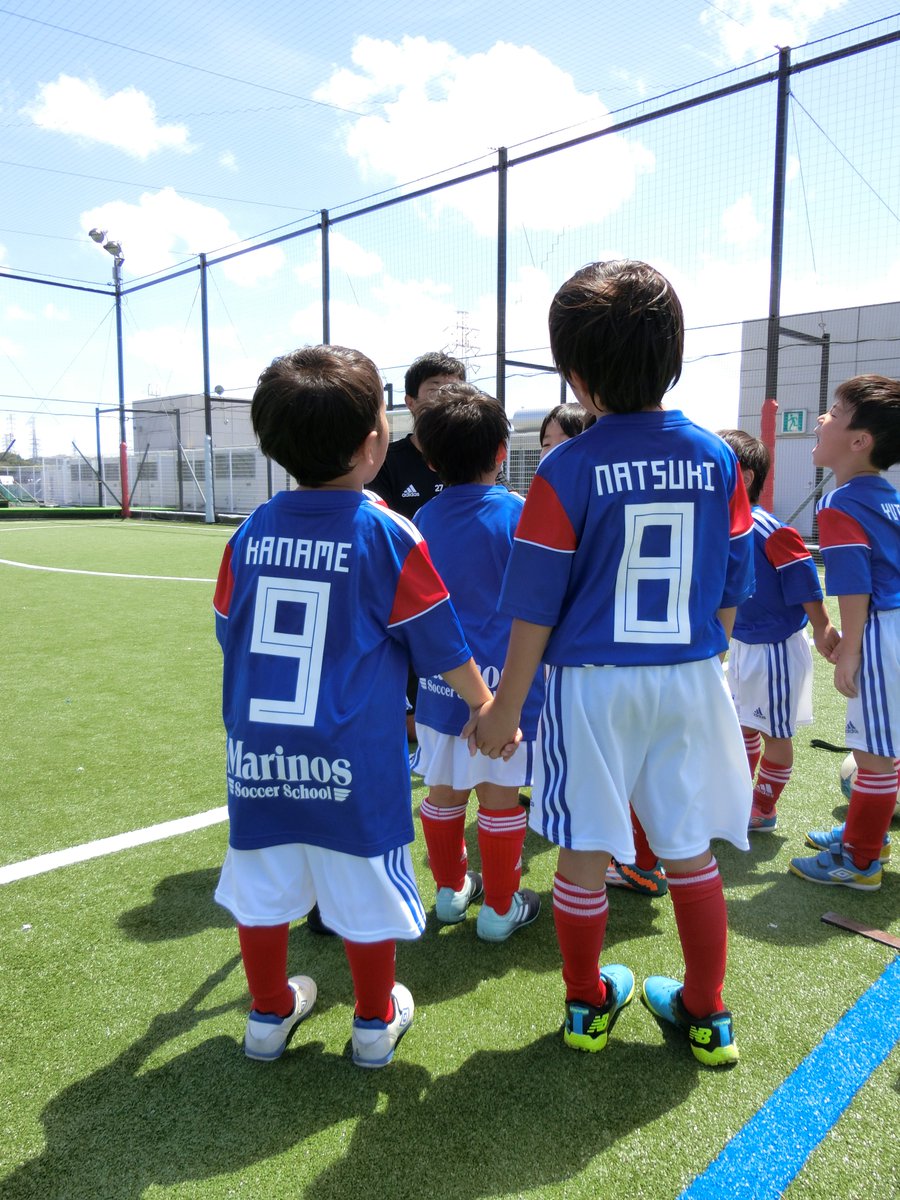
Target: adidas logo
{"x": 758, "y": 712}
{"x": 851, "y": 728}
{"x": 410, "y": 492}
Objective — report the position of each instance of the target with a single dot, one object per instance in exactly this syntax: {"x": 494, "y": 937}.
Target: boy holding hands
{"x": 469, "y": 527}
{"x": 770, "y": 667}
{"x": 632, "y": 552}
{"x": 322, "y": 599}
{"x": 859, "y": 534}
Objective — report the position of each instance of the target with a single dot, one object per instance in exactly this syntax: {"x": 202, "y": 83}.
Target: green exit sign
{"x": 793, "y": 420}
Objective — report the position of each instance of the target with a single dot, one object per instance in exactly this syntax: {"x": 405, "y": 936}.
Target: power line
{"x": 178, "y": 63}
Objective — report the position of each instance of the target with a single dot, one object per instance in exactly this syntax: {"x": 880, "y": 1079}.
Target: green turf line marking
{"x": 111, "y": 845}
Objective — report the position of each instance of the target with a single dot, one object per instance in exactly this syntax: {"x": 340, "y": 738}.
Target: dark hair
{"x": 460, "y": 431}
{"x": 619, "y": 325}
{"x": 569, "y": 417}
{"x": 753, "y": 455}
{"x": 313, "y": 409}
{"x": 435, "y": 362}
{"x": 875, "y": 400}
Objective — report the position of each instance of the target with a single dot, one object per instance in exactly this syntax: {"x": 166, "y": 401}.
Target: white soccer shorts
{"x": 361, "y": 899}
{"x": 444, "y": 760}
{"x": 665, "y": 738}
{"x": 873, "y": 716}
{"x": 772, "y": 684}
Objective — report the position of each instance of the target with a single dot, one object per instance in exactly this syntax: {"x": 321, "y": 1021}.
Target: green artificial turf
{"x": 124, "y": 999}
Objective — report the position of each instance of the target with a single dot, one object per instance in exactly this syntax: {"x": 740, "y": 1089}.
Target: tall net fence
{"x": 769, "y": 196}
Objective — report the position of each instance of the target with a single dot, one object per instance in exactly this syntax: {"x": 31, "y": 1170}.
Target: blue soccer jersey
{"x": 469, "y": 529}
{"x": 859, "y": 535}
{"x": 632, "y": 537}
{"x": 786, "y": 579}
{"x": 322, "y": 600}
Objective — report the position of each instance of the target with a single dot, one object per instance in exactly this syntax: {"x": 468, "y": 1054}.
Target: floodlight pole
{"x": 210, "y": 503}
{"x": 123, "y": 444}
{"x": 770, "y": 403}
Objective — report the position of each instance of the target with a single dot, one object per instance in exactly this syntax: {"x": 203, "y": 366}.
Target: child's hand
{"x": 846, "y": 672}
{"x": 827, "y": 640}
{"x": 492, "y": 731}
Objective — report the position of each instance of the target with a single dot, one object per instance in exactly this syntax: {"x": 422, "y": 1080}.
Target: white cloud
{"x": 14, "y": 312}
{"x": 740, "y": 223}
{"x": 752, "y": 29}
{"x": 164, "y": 228}
{"x": 228, "y": 161}
{"x": 344, "y": 255}
{"x": 438, "y": 107}
{"x": 50, "y": 312}
{"x": 127, "y": 119}
{"x": 10, "y": 348}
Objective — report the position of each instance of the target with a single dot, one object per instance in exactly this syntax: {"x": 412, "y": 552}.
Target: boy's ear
{"x": 502, "y": 452}
{"x": 367, "y": 449}
{"x": 748, "y": 475}
{"x": 862, "y": 441}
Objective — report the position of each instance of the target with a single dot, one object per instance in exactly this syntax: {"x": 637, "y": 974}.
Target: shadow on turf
{"x": 182, "y": 905}
{"x": 504, "y": 1120}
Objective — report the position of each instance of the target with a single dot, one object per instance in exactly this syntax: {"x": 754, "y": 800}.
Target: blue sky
{"x": 187, "y": 128}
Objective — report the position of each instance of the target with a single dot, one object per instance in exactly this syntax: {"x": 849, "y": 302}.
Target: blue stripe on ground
{"x": 762, "y": 1158}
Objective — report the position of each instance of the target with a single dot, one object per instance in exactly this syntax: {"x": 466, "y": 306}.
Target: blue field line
{"x": 765, "y": 1156}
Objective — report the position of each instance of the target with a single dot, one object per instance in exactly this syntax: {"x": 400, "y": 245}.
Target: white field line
{"x": 8, "y": 562}
{"x": 111, "y": 845}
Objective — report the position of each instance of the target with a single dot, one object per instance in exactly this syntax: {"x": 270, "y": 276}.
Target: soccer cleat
{"x": 450, "y": 907}
{"x": 826, "y": 838}
{"x": 588, "y": 1027}
{"x": 491, "y": 927}
{"x": 374, "y": 1042}
{"x": 711, "y": 1038}
{"x": 268, "y": 1034}
{"x": 636, "y": 879}
{"x": 836, "y": 868}
{"x": 761, "y": 822}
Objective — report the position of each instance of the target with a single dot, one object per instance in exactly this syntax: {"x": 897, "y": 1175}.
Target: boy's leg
{"x": 580, "y": 909}
{"x": 696, "y": 1007}
{"x": 502, "y": 823}
{"x": 872, "y": 804}
{"x": 384, "y": 1008}
{"x": 645, "y": 875}
{"x": 264, "y": 950}
{"x": 372, "y": 969}
{"x": 774, "y": 774}
{"x": 279, "y": 1003}
{"x": 753, "y": 747}
{"x": 443, "y": 816}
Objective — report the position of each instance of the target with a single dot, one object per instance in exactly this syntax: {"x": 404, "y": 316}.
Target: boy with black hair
{"x": 406, "y": 481}
{"x": 859, "y": 535}
{"x": 469, "y": 529}
{"x": 561, "y": 423}
{"x": 770, "y": 667}
{"x": 322, "y": 599}
{"x": 631, "y": 555}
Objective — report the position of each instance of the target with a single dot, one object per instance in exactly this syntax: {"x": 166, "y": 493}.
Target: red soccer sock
{"x": 372, "y": 968}
{"x": 872, "y": 803}
{"x": 699, "y": 903}
{"x": 264, "y": 950}
{"x": 580, "y": 919}
{"x": 770, "y": 783}
{"x": 501, "y": 836}
{"x": 753, "y": 746}
{"x": 445, "y": 839}
{"x": 645, "y": 858}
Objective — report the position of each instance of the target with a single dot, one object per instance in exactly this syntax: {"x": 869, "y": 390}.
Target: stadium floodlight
{"x": 113, "y": 247}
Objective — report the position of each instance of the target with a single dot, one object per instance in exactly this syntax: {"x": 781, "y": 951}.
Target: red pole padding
{"x": 767, "y": 435}
{"x": 123, "y": 479}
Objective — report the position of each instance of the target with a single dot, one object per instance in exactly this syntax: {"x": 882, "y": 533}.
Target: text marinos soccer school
{"x": 272, "y": 775}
